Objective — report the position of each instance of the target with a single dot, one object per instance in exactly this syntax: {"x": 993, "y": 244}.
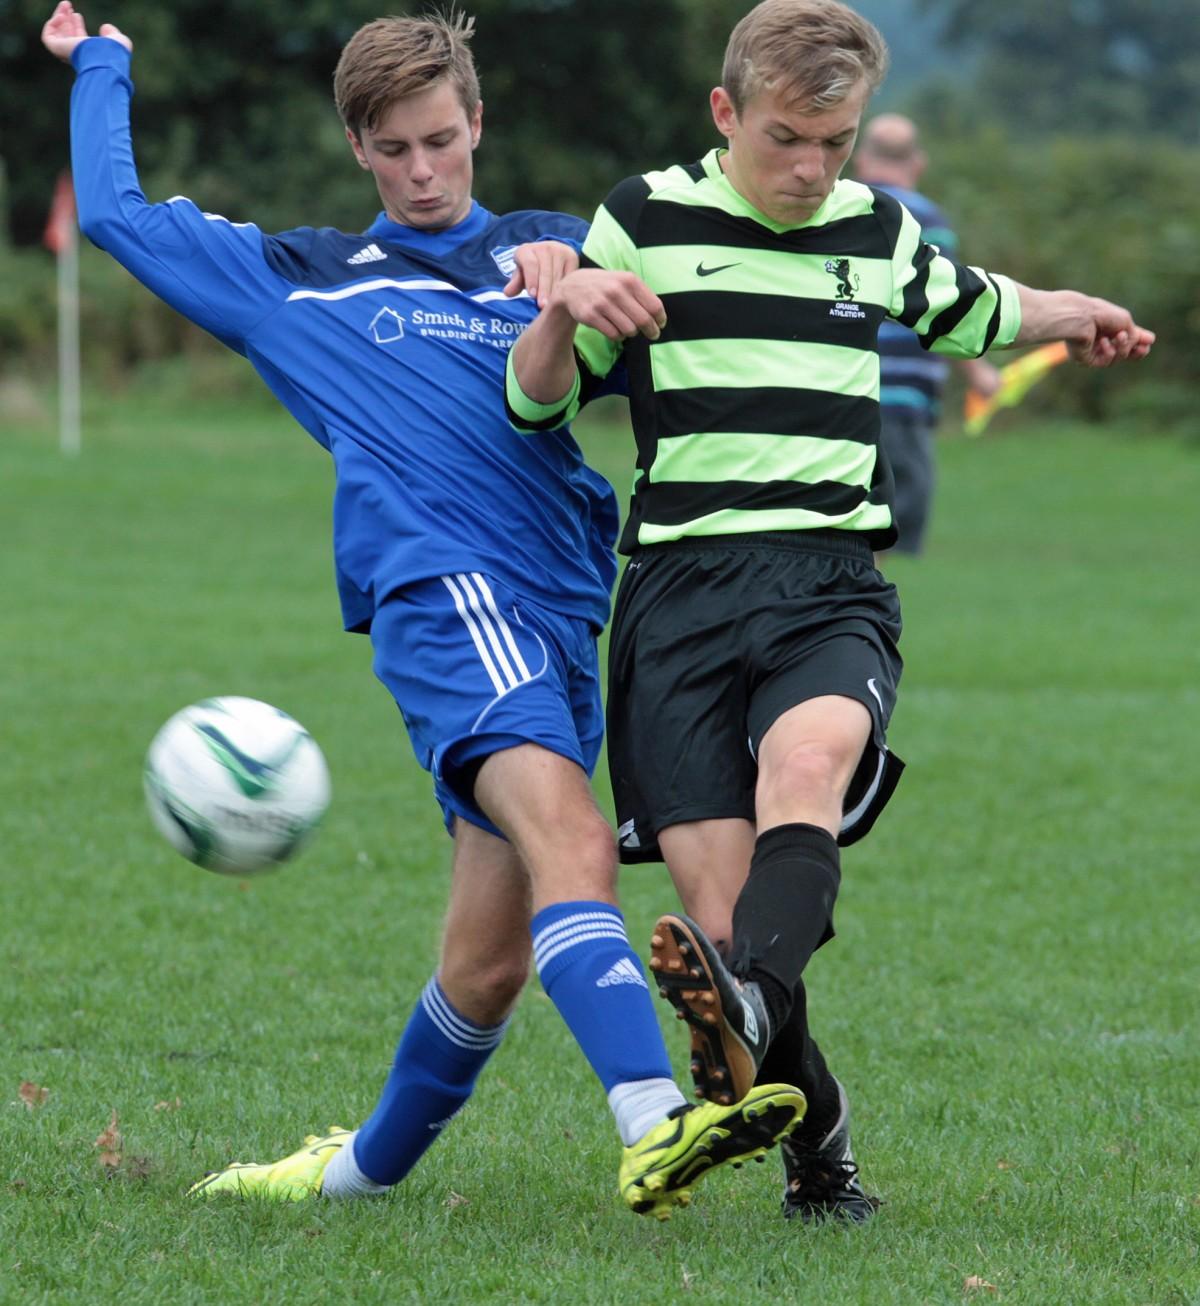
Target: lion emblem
{"x": 847, "y": 280}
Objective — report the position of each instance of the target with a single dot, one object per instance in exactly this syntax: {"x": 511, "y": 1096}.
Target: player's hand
{"x": 617, "y": 304}
{"x": 65, "y": 29}
{"x": 541, "y": 265}
{"x": 1111, "y": 336}
{"x": 982, "y": 377}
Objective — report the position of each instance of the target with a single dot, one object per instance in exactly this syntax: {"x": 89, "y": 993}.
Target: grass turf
{"x": 1011, "y": 999}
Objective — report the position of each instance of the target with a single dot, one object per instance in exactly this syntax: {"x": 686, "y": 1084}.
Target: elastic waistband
{"x": 839, "y": 544}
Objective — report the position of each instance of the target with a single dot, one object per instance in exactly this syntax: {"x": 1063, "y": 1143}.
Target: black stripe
{"x": 665, "y": 223}
{"x": 890, "y": 216}
{"x": 969, "y": 287}
{"x": 625, "y": 202}
{"x": 994, "y": 321}
{"x": 730, "y": 315}
{"x": 672, "y": 503}
{"x": 765, "y": 410}
{"x": 916, "y": 298}
{"x": 695, "y": 170}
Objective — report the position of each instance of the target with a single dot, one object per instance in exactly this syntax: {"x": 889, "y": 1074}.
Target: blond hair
{"x": 393, "y": 58}
{"x": 816, "y": 51}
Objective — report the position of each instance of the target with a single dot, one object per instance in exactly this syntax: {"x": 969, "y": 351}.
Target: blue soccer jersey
{"x": 389, "y": 348}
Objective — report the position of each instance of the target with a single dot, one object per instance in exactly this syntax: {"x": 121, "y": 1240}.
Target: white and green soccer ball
{"x": 235, "y": 785}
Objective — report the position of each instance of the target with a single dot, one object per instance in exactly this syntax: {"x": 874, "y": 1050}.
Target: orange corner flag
{"x": 1016, "y": 380}
{"x": 60, "y": 224}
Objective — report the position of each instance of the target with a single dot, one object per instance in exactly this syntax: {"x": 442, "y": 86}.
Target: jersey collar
{"x": 436, "y": 243}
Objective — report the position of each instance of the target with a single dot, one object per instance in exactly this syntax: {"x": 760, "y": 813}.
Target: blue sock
{"x": 593, "y": 977}
{"x": 439, "y": 1058}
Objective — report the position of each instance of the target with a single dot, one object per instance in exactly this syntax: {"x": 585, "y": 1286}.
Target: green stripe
{"x": 1010, "y": 311}
{"x": 725, "y": 456}
{"x": 672, "y": 268}
{"x": 731, "y": 521}
{"x": 942, "y": 291}
{"x": 609, "y": 245}
{"x": 597, "y": 350}
{"x": 907, "y": 240}
{"x": 529, "y": 410}
{"x": 738, "y": 364}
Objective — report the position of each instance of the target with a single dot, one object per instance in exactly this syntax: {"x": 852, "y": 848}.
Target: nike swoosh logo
{"x": 702, "y": 271}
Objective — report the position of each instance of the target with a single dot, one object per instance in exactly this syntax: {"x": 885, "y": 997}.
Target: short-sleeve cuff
{"x": 528, "y": 414}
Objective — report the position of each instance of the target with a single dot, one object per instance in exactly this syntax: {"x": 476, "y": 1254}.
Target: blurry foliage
{"x": 1112, "y": 217}
{"x": 234, "y": 102}
{"x": 234, "y": 108}
{"x": 1081, "y": 66}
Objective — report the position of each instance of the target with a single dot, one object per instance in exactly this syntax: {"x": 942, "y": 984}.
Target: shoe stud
{"x": 710, "y": 1017}
{"x": 656, "y": 963}
{"x": 674, "y": 964}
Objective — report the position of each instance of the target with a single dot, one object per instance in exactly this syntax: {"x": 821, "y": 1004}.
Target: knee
{"x": 809, "y": 771}
{"x": 577, "y": 860}
{"x": 483, "y": 989}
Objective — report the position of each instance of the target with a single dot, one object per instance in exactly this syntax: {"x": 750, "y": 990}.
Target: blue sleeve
{"x": 210, "y": 270}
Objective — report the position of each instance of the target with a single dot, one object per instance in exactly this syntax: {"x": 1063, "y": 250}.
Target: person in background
{"x": 890, "y": 158}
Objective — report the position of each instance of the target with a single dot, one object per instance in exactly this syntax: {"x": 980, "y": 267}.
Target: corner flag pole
{"x": 62, "y": 236}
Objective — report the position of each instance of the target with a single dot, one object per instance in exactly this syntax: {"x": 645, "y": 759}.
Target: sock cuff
{"x": 797, "y": 835}
{"x": 460, "y": 1030}
{"x": 559, "y": 928}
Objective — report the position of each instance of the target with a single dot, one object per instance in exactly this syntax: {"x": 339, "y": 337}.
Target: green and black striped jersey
{"x": 757, "y": 409}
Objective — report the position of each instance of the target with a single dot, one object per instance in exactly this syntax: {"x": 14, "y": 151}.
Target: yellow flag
{"x": 1016, "y": 380}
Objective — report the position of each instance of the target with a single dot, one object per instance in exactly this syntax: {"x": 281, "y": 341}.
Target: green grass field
{"x": 1012, "y": 998}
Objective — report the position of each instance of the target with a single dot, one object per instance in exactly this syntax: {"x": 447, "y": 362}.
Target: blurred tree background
{"x": 1064, "y": 135}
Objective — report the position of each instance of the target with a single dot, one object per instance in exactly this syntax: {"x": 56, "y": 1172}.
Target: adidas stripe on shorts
{"x": 475, "y": 670}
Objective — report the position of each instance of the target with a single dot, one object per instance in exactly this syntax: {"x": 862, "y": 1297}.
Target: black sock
{"x": 794, "y": 1058}
{"x": 785, "y": 911}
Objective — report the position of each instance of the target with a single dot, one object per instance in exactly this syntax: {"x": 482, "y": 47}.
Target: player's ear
{"x": 356, "y": 146}
{"x": 477, "y": 124}
{"x": 723, "y": 112}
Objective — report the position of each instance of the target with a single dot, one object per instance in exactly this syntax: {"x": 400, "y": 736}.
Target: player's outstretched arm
{"x": 65, "y": 28}
{"x": 1096, "y": 333}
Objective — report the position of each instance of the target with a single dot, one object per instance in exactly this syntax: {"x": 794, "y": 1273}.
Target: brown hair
{"x": 818, "y": 51}
{"x": 393, "y": 58}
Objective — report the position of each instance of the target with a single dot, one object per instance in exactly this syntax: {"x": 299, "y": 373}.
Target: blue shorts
{"x": 474, "y": 670}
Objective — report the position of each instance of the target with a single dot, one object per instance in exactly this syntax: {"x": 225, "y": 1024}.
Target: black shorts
{"x": 712, "y": 641}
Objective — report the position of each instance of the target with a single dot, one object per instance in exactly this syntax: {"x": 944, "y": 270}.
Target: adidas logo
{"x": 624, "y": 972}
{"x": 371, "y": 254}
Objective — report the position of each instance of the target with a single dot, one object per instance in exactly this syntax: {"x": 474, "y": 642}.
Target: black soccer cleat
{"x": 730, "y": 1028}
{"x": 822, "y": 1178}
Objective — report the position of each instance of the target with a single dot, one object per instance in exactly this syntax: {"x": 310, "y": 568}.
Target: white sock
{"x": 640, "y": 1104}
{"x": 343, "y": 1178}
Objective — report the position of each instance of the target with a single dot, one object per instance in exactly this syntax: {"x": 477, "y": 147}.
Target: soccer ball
{"x": 235, "y": 785}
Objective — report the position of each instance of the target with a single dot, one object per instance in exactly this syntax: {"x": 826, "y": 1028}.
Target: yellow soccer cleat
{"x": 659, "y": 1170}
{"x": 291, "y": 1180}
